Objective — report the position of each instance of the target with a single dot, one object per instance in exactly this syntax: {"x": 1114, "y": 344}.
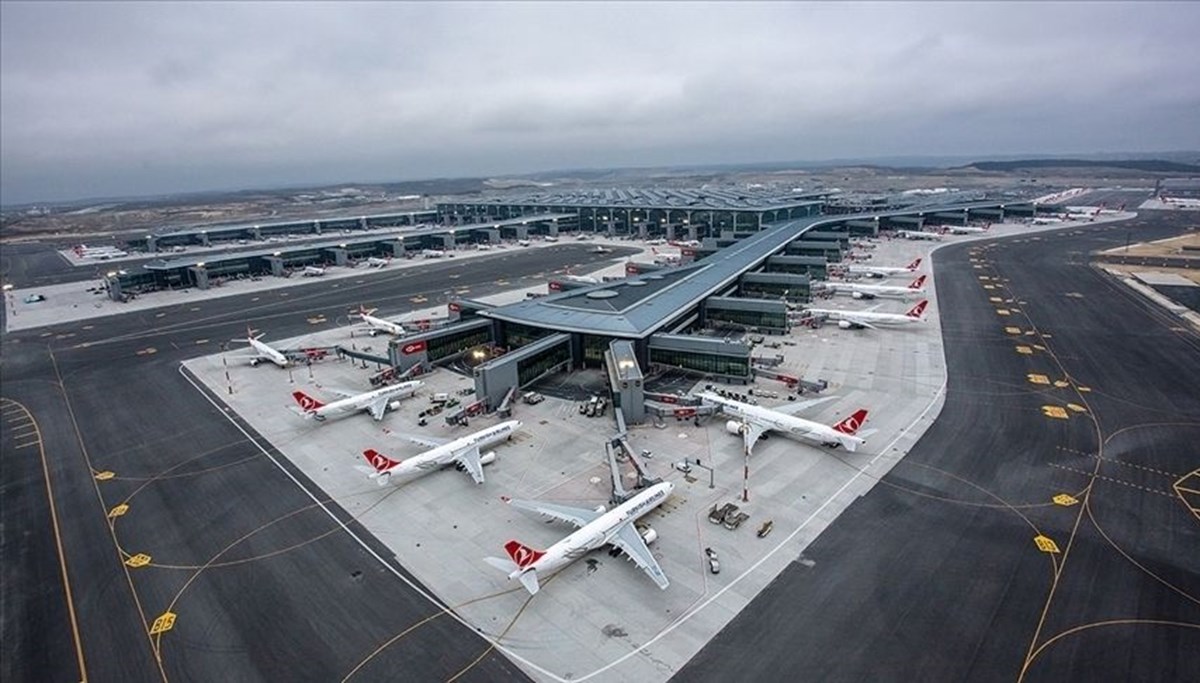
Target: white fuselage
{"x": 268, "y": 353}
{"x": 874, "y": 290}
{"x": 598, "y": 532}
{"x": 795, "y": 427}
{"x": 880, "y": 271}
{"x": 919, "y": 235}
{"x": 361, "y": 401}
{"x": 441, "y": 456}
{"x": 965, "y": 230}
{"x": 381, "y": 324}
{"x": 583, "y": 279}
{"x": 872, "y": 317}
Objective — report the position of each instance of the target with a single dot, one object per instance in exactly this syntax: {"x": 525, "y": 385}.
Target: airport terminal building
{"x": 748, "y": 255}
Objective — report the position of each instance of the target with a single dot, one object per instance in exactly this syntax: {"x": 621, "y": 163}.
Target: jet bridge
{"x": 617, "y": 449}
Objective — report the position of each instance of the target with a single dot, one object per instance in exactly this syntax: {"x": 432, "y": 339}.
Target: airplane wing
{"x": 753, "y": 432}
{"x": 565, "y": 513}
{"x": 429, "y": 441}
{"x": 378, "y": 407}
{"x": 634, "y": 546}
{"x": 859, "y": 321}
{"x": 800, "y": 406}
{"x": 469, "y": 459}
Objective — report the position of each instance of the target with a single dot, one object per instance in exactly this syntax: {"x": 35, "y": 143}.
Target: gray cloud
{"x": 138, "y": 98}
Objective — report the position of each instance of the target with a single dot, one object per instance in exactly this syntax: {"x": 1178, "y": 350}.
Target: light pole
{"x": 711, "y": 481}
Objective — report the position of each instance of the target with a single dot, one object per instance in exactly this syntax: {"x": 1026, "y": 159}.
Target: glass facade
{"x": 773, "y": 289}
{"x": 529, "y": 369}
{"x": 517, "y": 335}
{"x": 594, "y": 348}
{"x": 708, "y": 363}
{"x": 762, "y": 319}
{"x": 450, "y": 344}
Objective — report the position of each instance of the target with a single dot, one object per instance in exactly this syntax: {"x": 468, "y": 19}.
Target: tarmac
{"x": 257, "y": 564}
{"x": 1041, "y": 529}
{"x": 440, "y": 532}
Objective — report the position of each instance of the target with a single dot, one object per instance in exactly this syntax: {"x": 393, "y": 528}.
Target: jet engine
{"x": 394, "y": 405}
{"x": 847, "y": 325}
{"x": 734, "y": 427}
{"x": 862, "y": 295}
{"x": 649, "y": 535}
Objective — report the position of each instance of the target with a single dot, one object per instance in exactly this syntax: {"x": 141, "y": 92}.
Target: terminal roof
{"x": 641, "y": 305}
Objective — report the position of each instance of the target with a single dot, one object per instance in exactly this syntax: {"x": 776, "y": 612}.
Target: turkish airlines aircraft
{"x": 915, "y": 288}
{"x": 463, "y": 452}
{"x": 755, "y": 420}
{"x": 313, "y": 271}
{"x": 262, "y": 351}
{"x": 870, "y": 318}
{"x": 582, "y": 279}
{"x": 884, "y": 271}
{"x": 966, "y": 229}
{"x": 373, "y": 262}
{"x": 919, "y": 235}
{"x": 594, "y": 529}
{"x": 378, "y": 325}
{"x": 376, "y": 401}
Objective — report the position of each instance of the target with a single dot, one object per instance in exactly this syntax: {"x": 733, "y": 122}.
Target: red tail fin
{"x": 523, "y": 555}
{"x": 915, "y": 264}
{"x": 918, "y": 283}
{"x": 307, "y": 403}
{"x": 918, "y": 310}
{"x": 851, "y": 424}
{"x": 379, "y": 461}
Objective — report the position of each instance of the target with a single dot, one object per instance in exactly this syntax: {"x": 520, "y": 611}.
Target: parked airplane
{"x": 463, "y": 453}
{"x": 857, "y": 320}
{"x": 755, "y": 420}
{"x": 600, "y": 249}
{"x": 433, "y": 253}
{"x": 376, "y": 401}
{"x": 378, "y": 325}
{"x": 919, "y": 235}
{"x": 551, "y": 238}
{"x": 966, "y": 229}
{"x": 594, "y": 528}
{"x": 914, "y": 289}
{"x": 883, "y": 271}
{"x": 262, "y": 351}
{"x": 524, "y": 243}
{"x": 373, "y": 262}
{"x": 1047, "y": 220}
{"x": 313, "y": 271}
{"x": 102, "y": 253}
{"x": 582, "y": 279}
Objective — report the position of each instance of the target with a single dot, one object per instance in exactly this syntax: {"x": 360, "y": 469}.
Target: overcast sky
{"x": 146, "y": 98}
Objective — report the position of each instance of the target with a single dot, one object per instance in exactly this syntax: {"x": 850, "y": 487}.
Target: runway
{"x": 263, "y": 583}
{"x": 936, "y": 575}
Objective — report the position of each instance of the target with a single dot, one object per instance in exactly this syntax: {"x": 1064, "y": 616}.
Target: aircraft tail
{"x": 915, "y": 264}
{"x": 918, "y": 283}
{"x": 363, "y": 310}
{"x": 379, "y": 461}
{"x": 918, "y": 311}
{"x": 307, "y": 403}
{"x": 850, "y": 425}
{"x": 522, "y": 554}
